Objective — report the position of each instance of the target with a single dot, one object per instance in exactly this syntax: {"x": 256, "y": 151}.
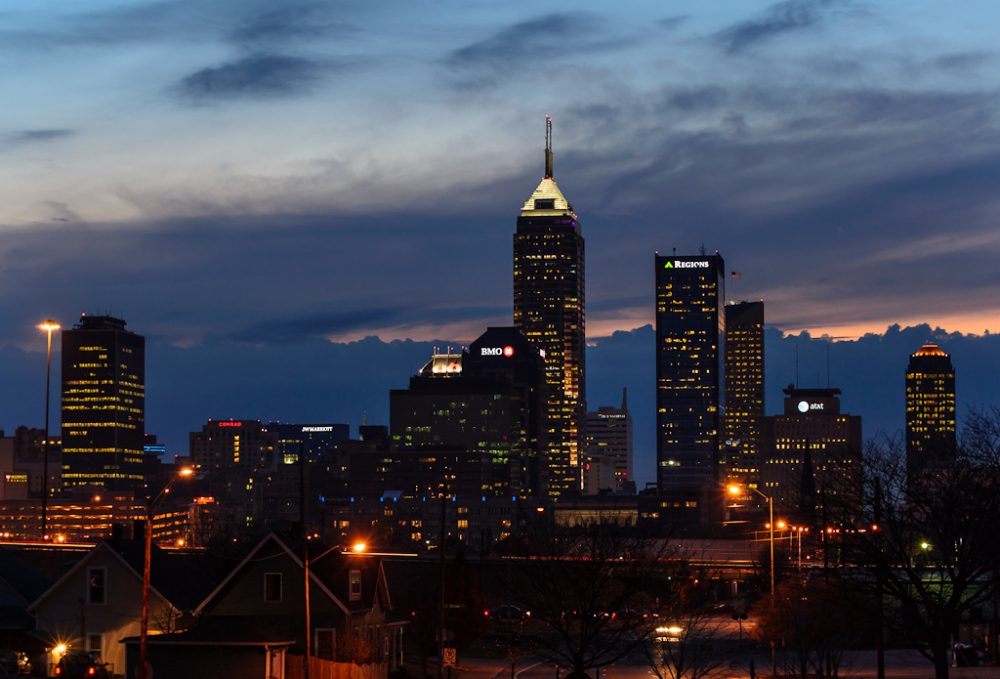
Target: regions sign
{"x": 683, "y": 264}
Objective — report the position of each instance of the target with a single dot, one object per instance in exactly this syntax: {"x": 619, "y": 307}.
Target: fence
{"x": 327, "y": 669}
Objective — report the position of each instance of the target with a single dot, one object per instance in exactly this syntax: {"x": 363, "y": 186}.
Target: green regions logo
{"x": 680, "y": 264}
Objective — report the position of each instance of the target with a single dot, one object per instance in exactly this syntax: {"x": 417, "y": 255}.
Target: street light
{"x": 183, "y": 473}
{"x": 737, "y": 490}
{"x": 49, "y": 327}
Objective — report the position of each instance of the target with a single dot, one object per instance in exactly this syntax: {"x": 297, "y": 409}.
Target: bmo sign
{"x": 506, "y": 351}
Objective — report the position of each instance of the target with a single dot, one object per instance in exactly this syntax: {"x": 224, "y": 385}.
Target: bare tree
{"x": 814, "y": 621}
{"x": 686, "y": 643}
{"x": 589, "y": 594}
{"x": 931, "y": 542}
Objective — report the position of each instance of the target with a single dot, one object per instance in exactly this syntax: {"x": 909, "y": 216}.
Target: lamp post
{"x": 49, "y": 327}
{"x": 185, "y": 473}
{"x": 737, "y": 490}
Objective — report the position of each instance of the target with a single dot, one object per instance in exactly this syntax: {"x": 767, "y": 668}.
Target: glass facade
{"x": 103, "y": 404}
{"x": 690, "y": 327}
{"x": 744, "y": 397}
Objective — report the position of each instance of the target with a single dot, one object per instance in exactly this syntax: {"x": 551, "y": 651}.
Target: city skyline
{"x": 200, "y": 270}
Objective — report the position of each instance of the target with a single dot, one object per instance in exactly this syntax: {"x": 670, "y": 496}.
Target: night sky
{"x": 244, "y": 179}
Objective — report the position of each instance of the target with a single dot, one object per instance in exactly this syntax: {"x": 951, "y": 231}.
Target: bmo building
{"x": 811, "y": 456}
{"x": 486, "y": 407}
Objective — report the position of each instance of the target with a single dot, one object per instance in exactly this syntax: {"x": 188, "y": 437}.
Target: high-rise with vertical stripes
{"x": 549, "y": 310}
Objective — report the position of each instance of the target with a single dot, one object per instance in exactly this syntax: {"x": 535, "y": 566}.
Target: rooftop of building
{"x": 930, "y": 349}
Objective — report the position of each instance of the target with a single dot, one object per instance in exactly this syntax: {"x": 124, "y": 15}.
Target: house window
{"x": 326, "y": 641}
{"x": 97, "y": 585}
{"x": 272, "y": 587}
{"x": 355, "y": 585}
{"x": 94, "y": 643}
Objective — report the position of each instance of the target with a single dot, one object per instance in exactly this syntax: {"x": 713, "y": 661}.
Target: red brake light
{"x": 91, "y": 671}
{"x": 58, "y": 671}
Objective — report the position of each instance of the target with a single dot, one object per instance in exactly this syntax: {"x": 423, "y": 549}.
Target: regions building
{"x": 744, "y": 393}
{"x": 690, "y": 331}
{"x": 930, "y": 411}
{"x": 609, "y": 450}
{"x": 103, "y": 405}
{"x": 811, "y": 456}
{"x": 549, "y": 310}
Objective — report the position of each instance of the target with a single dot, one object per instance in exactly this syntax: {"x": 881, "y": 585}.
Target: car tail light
{"x": 91, "y": 671}
{"x": 58, "y": 671}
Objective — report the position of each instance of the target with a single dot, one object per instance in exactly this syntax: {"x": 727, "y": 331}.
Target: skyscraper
{"x": 690, "y": 328}
{"x": 930, "y": 410}
{"x": 103, "y": 404}
{"x": 549, "y": 310}
{"x": 744, "y": 397}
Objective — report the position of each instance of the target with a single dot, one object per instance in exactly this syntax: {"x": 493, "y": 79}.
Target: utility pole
{"x": 879, "y": 586}
{"x": 305, "y": 558}
{"x": 441, "y": 616}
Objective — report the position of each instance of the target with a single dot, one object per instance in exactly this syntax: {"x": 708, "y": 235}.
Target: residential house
{"x": 257, "y": 614}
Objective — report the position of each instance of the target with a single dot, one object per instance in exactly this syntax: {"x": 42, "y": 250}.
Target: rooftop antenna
{"x": 828, "y": 363}
{"x": 702, "y": 251}
{"x": 796, "y": 364}
{"x": 548, "y": 147}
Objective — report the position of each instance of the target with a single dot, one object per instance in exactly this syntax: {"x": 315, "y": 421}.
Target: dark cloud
{"x": 538, "y": 38}
{"x": 255, "y": 75}
{"x": 533, "y": 42}
{"x": 672, "y": 23}
{"x": 41, "y": 135}
{"x": 697, "y": 98}
{"x": 312, "y": 327}
{"x": 245, "y": 23}
{"x": 780, "y": 18}
{"x": 289, "y": 22}
{"x": 339, "y": 323}
{"x": 963, "y": 61}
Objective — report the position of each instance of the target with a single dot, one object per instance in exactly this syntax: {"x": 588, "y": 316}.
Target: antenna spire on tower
{"x": 548, "y": 147}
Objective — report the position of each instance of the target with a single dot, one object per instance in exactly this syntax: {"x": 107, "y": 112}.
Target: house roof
{"x": 180, "y": 579}
{"x": 328, "y": 570}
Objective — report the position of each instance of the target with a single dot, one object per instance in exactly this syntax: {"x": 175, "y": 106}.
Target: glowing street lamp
{"x": 49, "y": 327}
{"x": 183, "y": 473}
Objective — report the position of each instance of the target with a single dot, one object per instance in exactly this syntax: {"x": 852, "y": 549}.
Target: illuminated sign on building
{"x": 680, "y": 264}
{"x": 230, "y": 424}
{"x": 506, "y": 351}
{"x": 314, "y": 429}
{"x": 806, "y": 406}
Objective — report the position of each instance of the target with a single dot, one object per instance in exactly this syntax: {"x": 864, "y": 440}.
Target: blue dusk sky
{"x": 260, "y": 174}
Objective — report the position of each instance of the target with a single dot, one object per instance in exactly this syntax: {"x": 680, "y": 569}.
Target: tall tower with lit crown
{"x": 930, "y": 411}
{"x": 549, "y": 310}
